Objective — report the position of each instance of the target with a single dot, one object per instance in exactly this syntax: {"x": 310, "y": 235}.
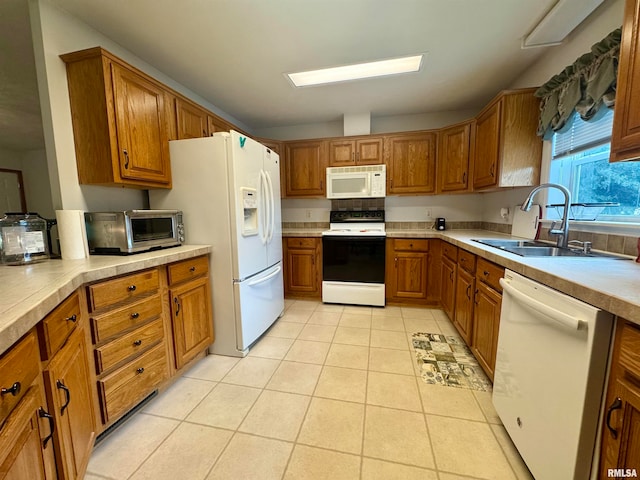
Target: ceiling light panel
{"x": 357, "y": 71}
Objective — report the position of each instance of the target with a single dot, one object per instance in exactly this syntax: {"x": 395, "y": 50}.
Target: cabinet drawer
{"x": 490, "y": 273}
{"x": 188, "y": 269}
{"x": 122, "y": 289}
{"x": 18, "y": 368}
{"x": 411, "y": 244}
{"x": 301, "y": 242}
{"x": 122, "y": 389}
{"x": 467, "y": 261}
{"x": 58, "y": 325}
{"x": 112, "y": 353}
{"x": 450, "y": 251}
{"x": 113, "y": 323}
{"x": 630, "y": 349}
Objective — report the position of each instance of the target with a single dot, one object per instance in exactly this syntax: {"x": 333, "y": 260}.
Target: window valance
{"x": 583, "y": 87}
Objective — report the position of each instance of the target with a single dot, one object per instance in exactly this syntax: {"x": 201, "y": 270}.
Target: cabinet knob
{"x": 137, "y": 343}
{"x": 13, "y": 389}
{"x": 192, "y": 269}
{"x": 135, "y": 315}
{"x": 485, "y": 273}
{"x": 72, "y": 318}
{"x": 411, "y": 245}
{"x": 131, "y": 288}
{"x": 140, "y": 370}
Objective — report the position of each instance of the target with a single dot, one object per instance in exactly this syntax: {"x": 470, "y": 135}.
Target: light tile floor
{"x": 330, "y": 392}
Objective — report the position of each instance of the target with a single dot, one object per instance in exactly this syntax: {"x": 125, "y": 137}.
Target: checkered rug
{"x": 446, "y": 360}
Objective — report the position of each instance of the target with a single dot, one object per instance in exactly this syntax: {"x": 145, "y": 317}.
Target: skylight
{"x": 357, "y": 71}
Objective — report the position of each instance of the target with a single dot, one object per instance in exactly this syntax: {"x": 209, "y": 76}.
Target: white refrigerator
{"x": 228, "y": 188}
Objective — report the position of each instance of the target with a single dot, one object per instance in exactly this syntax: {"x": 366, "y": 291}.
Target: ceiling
{"x": 234, "y": 53}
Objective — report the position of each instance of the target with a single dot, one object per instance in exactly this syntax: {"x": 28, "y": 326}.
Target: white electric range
{"x": 353, "y": 258}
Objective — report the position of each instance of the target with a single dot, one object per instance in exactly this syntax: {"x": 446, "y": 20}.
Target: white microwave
{"x": 367, "y": 181}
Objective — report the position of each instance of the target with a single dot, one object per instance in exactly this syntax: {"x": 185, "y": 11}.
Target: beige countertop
{"x": 29, "y": 292}
{"x": 610, "y": 284}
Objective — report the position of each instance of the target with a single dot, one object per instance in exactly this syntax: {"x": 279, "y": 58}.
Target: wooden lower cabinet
{"x": 486, "y": 323}
{"x": 302, "y": 258}
{"x": 69, "y": 390}
{"x": 191, "y": 310}
{"x": 463, "y": 315}
{"x": 448, "y": 286}
{"x": 621, "y": 426}
{"x": 407, "y": 270}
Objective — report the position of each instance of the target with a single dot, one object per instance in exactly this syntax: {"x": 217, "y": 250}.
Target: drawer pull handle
{"x": 135, "y": 315}
{"x": 177, "y": 302}
{"x": 140, "y": 370}
{"x": 13, "y": 390}
{"x": 72, "y": 318}
{"x": 67, "y": 394}
{"x": 131, "y": 288}
{"x": 52, "y": 425}
{"x": 616, "y": 405}
{"x": 192, "y": 269}
{"x": 137, "y": 343}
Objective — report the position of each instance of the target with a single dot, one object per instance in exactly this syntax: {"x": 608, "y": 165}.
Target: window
{"x": 580, "y": 162}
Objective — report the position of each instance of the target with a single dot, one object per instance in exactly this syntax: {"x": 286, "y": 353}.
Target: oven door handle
{"x": 557, "y": 316}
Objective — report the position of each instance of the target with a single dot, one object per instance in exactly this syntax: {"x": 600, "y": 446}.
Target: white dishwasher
{"x": 549, "y": 376}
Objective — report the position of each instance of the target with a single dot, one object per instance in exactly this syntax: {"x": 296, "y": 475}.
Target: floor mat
{"x": 446, "y": 360}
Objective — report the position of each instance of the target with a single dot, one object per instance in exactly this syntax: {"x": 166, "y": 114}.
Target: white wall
{"x": 55, "y": 32}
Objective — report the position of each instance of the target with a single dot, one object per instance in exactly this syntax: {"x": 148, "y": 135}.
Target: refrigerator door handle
{"x": 272, "y": 202}
{"x": 264, "y": 279}
{"x": 262, "y": 208}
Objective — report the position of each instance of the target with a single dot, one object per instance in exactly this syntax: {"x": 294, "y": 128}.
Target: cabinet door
{"x": 301, "y": 274}
{"x": 411, "y": 163}
{"x": 487, "y": 148}
{"x": 410, "y": 271}
{"x": 342, "y": 153}
{"x": 369, "y": 151}
{"x": 623, "y": 420}
{"x": 465, "y": 288}
{"x": 191, "y": 119}
{"x": 21, "y": 455}
{"x": 453, "y": 158}
{"x": 448, "y": 285}
{"x": 142, "y": 127}
{"x": 215, "y": 125}
{"x": 625, "y": 137}
{"x": 192, "y": 319}
{"x": 486, "y": 322}
{"x": 305, "y": 169}
{"x": 68, "y": 386}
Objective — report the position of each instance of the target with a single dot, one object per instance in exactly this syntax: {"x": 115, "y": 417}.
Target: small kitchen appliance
{"x": 133, "y": 231}
{"x": 440, "y": 223}
{"x": 353, "y": 258}
{"x": 367, "y": 181}
{"x": 23, "y": 238}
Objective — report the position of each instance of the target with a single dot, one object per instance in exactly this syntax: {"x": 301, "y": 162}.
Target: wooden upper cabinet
{"x": 121, "y": 122}
{"x": 192, "y": 120}
{"x": 625, "y": 137}
{"x": 216, "y": 124}
{"x": 506, "y": 150}
{"x": 411, "y": 163}
{"x": 453, "y": 158}
{"x": 305, "y": 168}
{"x": 351, "y": 152}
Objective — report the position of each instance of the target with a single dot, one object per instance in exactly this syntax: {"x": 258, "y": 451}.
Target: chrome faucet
{"x": 563, "y": 231}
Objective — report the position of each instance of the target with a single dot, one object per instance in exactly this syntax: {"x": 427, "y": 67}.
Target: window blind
{"x": 582, "y": 135}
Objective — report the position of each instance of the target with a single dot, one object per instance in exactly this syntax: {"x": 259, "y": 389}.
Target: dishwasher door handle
{"x": 559, "y": 317}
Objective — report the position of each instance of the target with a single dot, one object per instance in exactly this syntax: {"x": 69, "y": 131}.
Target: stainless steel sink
{"x": 533, "y": 248}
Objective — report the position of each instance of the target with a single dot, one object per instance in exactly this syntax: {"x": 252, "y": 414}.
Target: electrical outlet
{"x": 428, "y": 213}
{"x": 307, "y": 214}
